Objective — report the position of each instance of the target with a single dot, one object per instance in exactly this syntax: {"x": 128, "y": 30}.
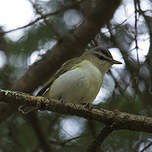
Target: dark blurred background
{"x": 127, "y": 87}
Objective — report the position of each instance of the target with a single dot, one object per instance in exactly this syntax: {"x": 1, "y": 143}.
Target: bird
{"x": 79, "y": 79}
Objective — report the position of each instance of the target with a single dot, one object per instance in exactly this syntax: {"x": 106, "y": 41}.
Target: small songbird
{"x": 79, "y": 79}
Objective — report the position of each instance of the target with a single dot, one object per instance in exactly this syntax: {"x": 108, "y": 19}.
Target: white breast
{"x": 79, "y": 85}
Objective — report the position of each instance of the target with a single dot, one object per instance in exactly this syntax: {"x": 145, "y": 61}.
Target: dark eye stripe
{"x": 107, "y": 53}
{"x": 101, "y": 57}
{"x": 104, "y": 51}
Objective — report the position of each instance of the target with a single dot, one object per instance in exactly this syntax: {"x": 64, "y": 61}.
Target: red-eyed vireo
{"x": 79, "y": 79}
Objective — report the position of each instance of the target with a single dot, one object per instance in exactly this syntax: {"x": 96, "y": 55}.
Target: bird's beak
{"x": 115, "y": 62}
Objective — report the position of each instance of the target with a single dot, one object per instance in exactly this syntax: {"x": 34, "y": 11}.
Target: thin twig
{"x": 146, "y": 147}
{"x": 69, "y": 140}
{"x": 37, "y": 9}
{"x": 44, "y": 16}
{"x": 33, "y": 22}
{"x": 136, "y": 31}
{"x": 63, "y": 143}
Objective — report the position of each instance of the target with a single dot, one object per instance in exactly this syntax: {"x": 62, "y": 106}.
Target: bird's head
{"x": 102, "y": 58}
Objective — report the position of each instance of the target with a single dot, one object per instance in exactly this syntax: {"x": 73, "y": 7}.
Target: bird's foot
{"x": 87, "y": 105}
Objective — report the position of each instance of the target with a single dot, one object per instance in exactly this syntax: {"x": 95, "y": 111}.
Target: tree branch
{"x": 146, "y": 147}
{"x": 121, "y": 120}
{"x": 41, "y": 136}
{"x": 42, "y": 17}
{"x": 107, "y": 130}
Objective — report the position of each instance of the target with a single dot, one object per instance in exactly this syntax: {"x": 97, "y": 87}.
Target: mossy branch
{"x": 121, "y": 120}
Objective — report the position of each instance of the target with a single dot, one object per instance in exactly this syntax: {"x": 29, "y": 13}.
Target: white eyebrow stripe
{"x": 102, "y": 56}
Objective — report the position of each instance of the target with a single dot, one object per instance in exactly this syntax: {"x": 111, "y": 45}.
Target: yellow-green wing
{"x": 69, "y": 65}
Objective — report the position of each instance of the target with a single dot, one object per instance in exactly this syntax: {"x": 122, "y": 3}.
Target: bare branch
{"x": 37, "y": 9}
{"x": 146, "y": 147}
{"x": 105, "y": 132}
{"x": 31, "y": 23}
{"x": 43, "y": 16}
{"x": 121, "y": 120}
{"x": 69, "y": 140}
{"x": 136, "y": 31}
{"x": 65, "y": 142}
{"x": 39, "y": 132}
